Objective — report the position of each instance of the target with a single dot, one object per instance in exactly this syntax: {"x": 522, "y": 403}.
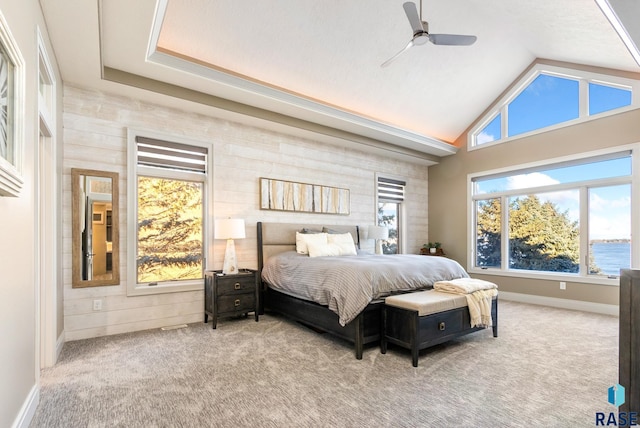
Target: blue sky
{"x": 609, "y": 207}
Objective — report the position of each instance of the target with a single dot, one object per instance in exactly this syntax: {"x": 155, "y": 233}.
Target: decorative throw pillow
{"x": 344, "y": 241}
{"x": 303, "y": 240}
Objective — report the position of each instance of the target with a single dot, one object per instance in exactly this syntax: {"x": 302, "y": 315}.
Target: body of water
{"x": 610, "y": 257}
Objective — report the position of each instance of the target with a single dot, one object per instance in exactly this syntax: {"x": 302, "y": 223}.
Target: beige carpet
{"x": 548, "y": 368}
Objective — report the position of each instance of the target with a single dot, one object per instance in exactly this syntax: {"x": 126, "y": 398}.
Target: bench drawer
{"x": 436, "y": 326}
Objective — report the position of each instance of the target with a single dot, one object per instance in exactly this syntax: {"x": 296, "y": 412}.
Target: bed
{"x": 315, "y": 295}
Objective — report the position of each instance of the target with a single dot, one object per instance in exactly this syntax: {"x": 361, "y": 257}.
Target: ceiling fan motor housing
{"x": 421, "y": 37}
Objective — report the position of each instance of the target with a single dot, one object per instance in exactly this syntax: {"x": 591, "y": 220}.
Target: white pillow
{"x": 323, "y": 250}
{"x": 303, "y": 240}
{"x": 344, "y": 241}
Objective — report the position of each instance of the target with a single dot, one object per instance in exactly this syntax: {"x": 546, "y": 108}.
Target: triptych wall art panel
{"x": 283, "y": 195}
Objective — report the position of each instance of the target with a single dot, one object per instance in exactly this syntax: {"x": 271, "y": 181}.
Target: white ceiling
{"x": 319, "y": 60}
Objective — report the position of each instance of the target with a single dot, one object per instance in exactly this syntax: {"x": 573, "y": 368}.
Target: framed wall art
{"x": 284, "y": 195}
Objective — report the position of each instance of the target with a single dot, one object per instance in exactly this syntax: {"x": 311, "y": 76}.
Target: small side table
{"x": 230, "y": 295}
{"x": 425, "y": 252}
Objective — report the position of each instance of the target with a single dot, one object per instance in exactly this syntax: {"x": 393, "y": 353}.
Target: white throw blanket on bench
{"x": 479, "y": 295}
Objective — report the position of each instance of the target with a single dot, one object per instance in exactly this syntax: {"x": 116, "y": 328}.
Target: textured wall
{"x": 95, "y": 126}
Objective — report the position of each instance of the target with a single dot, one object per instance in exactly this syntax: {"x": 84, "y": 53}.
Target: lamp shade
{"x": 377, "y": 232}
{"x": 229, "y": 228}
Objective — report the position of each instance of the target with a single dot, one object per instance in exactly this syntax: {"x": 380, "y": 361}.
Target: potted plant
{"x": 431, "y": 247}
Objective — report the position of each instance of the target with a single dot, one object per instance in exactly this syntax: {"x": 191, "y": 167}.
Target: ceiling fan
{"x": 421, "y": 33}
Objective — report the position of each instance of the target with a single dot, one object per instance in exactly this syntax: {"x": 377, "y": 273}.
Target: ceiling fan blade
{"x": 452, "y": 39}
{"x": 412, "y": 14}
{"x": 390, "y": 60}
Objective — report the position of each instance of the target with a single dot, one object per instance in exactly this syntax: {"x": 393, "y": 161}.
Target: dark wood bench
{"x": 419, "y": 320}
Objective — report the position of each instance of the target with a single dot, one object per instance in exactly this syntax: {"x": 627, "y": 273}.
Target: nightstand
{"x": 230, "y": 295}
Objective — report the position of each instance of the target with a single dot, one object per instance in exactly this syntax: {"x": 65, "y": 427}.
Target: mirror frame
{"x": 76, "y": 235}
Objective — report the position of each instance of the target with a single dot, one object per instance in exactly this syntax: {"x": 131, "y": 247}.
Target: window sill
{"x": 166, "y": 287}
{"x": 10, "y": 180}
{"x": 591, "y": 279}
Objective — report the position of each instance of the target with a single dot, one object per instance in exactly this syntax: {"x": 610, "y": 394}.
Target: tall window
{"x": 572, "y": 217}
{"x": 170, "y": 194}
{"x": 552, "y": 96}
{"x": 390, "y": 198}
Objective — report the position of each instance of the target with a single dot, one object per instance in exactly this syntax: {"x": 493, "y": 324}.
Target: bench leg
{"x": 383, "y": 332}
{"x": 413, "y": 334}
{"x": 359, "y": 339}
{"x": 494, "y": 315}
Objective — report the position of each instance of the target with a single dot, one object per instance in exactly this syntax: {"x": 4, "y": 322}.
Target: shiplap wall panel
{"x": 95, "y": 132}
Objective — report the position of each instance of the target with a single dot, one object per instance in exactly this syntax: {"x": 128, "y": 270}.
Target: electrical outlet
{"x": 97, "y": 305}
{"x": 563, "y": 285}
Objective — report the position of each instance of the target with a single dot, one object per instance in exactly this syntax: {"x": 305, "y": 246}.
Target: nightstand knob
{"x": 236, "y": 286}
{"x": 236, "y": 302}
{"x": 441, "y": 326}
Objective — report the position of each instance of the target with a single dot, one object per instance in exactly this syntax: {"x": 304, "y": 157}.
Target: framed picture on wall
{"x": 282, "y": 195}
{"x": 11, "y": 113}
{"x": 98, "y": 217}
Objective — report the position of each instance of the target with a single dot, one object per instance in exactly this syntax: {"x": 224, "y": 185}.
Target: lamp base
{"x": 378, "y": 246}
{"x": 230, "y": 265}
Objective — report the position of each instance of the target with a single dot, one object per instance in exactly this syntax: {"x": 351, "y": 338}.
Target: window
{"x": 390, "y": 198}
{"x": 550, "y": 97}
{"x": 491, "y": 132}
{"x": 167, "y": 249}
{"x": 12, "y": 84}
{"x": 570, "y": 217}
{"x": 604, "y": 98}
{"x": 546, "y": 101}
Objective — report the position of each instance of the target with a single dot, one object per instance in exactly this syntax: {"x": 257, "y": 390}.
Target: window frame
{"x": 133, "y": 287}
{"x": 400, "y": 203}
{"x": 582, "y": 276}
{"x": 583, "y": 77}
{"x": 11, "y": 170}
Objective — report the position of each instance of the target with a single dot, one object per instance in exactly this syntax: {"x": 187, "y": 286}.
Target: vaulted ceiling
{"x": 319, "y": 61}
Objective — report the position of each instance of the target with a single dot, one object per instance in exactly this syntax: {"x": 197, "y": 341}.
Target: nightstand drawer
{"x": 236, "y": 284}
{"x": 236, "y": 303}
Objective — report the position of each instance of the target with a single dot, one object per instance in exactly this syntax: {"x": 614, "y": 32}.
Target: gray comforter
{"x": 347, "y": 284}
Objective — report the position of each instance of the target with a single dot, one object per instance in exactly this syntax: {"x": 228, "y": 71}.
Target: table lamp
{"x": 229, "y": 229}
{"x": 379, "y": 233}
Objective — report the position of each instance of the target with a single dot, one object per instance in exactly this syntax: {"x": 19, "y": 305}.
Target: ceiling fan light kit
{"x": 421, "y": 33}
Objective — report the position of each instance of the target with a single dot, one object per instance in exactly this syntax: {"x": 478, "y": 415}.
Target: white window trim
{"x": 11, "y": 179}
{"x": 581, "y": 277}
{"x": 583, "y": 77}
{"x": 133, "y": 288}
{"x": 47, "y": 257}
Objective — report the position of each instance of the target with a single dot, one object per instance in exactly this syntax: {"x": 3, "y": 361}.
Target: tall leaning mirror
{"x": 95, "y": 228}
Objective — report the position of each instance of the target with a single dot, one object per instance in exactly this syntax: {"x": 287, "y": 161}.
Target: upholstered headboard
{"x": 274, "y": 238}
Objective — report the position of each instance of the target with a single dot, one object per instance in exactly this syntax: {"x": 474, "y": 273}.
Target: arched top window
{"x": 551, "y": 97}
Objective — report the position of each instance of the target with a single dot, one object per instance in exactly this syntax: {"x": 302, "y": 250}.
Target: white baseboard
{"x": 28, "y": 408}
{"x": 576, "y": 305}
